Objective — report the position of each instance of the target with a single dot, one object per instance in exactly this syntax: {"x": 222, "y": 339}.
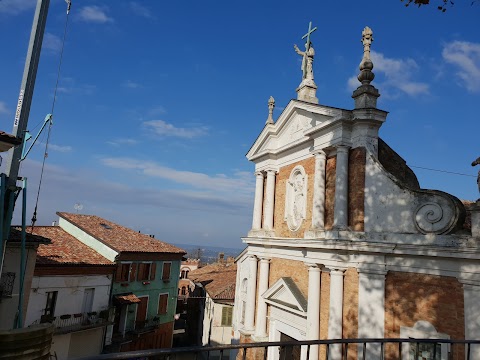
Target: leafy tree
{"x": 442, "y": 7}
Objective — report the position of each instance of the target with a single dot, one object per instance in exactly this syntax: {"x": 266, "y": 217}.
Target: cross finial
{"x": 271, "y": 105}
{"x": 307, "y": 35}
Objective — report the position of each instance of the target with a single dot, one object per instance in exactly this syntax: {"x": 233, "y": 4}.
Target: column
{"x": 335, "y": 320}
{"x": 371, "y": 311}
{"x": 258, "y": 204}
{"x": 318, "y": 211}
{"x": 313, "y": 310}
{"x": 261, "y": 323}
{"x": 251, "y": 290}
{"x": 471, "y": 295}
{"x": 340, "y": 215}
{"x": 269, "y": 200}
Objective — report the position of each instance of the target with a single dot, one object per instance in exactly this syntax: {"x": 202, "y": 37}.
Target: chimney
{"x": 220, "y": 257}
{"x": 54, "y": 223}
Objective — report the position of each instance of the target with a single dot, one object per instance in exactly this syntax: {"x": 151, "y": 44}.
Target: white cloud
{"x": 163, "y": 128}
{"x": 241, "y": 182}
{"x": 15, "y": 7}
{"x": 131, "y": 85}
{"x": 158, "y": 110}
{"x": 123, "y": 141}
{"x": 94, "y": 14}
{"x": 59, "y": 148}
{"x": 141, "y": 10}
{"x": 397, "y": 76}
{"x": 3, "y": 108}
{"x": 465, "y": 56}
{"x": 52, "y": 42}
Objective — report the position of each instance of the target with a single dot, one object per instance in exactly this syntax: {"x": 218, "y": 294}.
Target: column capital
{"x": 265, "y": 259}
{"x": 319, "y": 153}
{"x": 343, "y": 148}
{"x": 375, "y": 271}
{"x": 313, "y": 266}
{"x": 335, "y": 269}
{"x": 259, "y": 173}
{"x": 271, "y": 170}
{"x": 252, "y": 257}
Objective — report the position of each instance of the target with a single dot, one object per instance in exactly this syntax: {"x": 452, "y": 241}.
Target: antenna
{"x": 78, "y": 207}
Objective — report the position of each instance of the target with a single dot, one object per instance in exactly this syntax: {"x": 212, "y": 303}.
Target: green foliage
{"x": 442, "y": 7}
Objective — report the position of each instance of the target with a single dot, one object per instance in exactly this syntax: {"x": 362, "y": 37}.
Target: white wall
{"x": 71, "y": 290}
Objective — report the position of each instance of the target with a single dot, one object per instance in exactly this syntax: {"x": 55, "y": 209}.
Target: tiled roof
{"x": 218, "y": 280}
{"x": 127, "y": 299}
{"x": 16, "y": 236}
{"x": 64, "y": 249}
{"x": 118, "y": 237}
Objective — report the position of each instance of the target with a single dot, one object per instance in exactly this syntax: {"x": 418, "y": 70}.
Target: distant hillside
{"x": 208, "y": 254}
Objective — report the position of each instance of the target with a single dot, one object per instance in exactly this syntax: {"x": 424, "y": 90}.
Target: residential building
{"x": 71, "y": 289}
{"x": 185, "y": 285}
{"x": 215, "y": 291}
{"x": 346, "y": 244}
{"x": 144, "y": 290}
{"x": 10, "y": 283}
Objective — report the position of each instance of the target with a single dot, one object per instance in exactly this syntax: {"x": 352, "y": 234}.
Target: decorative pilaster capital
{"x": 314, "y": 267}
{"x": 371, "y": 271}
{"x": 252, "y": 257}
{"x": 264, "y": 259}
{"x": 319, "y": 153}
{"x": 342, "y": 148}
{"x": 259, "y": 174}
{"x": 335, "y": 270}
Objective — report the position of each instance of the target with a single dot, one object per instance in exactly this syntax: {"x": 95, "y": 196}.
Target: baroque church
{"x": 344, "y": 242}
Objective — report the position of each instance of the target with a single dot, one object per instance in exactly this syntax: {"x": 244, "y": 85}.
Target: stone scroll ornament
{"x": 296, "y": 198}
{"x": 437, "y": 212}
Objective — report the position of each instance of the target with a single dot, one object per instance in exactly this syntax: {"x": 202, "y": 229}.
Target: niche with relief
{"x": 296, "y": 198}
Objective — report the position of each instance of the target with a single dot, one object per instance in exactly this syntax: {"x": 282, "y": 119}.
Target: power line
{"x": 442, "y": 171}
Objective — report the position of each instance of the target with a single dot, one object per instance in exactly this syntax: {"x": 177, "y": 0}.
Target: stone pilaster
{"x": 313, "y": 310}
{"x": 269, "y": 201}
{"x": 251, "y": 292}
{"x": 261, "y": 323}
{"x": 335, "y": 319}
{"x": 371, "y": 310}
{"x": 318, "y": 211}
{"x": 340, "y": 220}
{"x": 471, "y": 293}
{"x": 258, "y": 204}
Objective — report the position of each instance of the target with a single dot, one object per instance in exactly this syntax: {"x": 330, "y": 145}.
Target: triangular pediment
{"x": 285, "y": 294}
{"x": 291, "y": 127}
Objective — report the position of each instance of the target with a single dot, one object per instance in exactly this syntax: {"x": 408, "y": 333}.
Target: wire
{"x": 45, "y": 155}
{"x": 442, "y": 171}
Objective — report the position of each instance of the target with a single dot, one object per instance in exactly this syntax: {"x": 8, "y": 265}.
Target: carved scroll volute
{"x": 438, "y": 213}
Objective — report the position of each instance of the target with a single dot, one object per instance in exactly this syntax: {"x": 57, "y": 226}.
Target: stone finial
{"x": 366, "y": 95}
{"x": 271, "y": 105}
{"x": 366, "y": 65}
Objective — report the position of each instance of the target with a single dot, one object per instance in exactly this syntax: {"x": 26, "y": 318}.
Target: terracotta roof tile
{"x": 16, "y": 236}
{"x": 119, "y": 237}
{"x": 218, "y": 279}
{"x": 64, "y": 249}
{"x": 127, "y": 299}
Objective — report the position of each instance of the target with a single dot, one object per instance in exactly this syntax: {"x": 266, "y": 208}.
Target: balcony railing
{"x": 74, "y": 322}
{"x": 340, "y": 349}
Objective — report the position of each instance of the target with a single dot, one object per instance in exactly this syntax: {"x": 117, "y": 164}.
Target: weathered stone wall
{"x": 280, "y": 225}
{"x": 413, "y": 297}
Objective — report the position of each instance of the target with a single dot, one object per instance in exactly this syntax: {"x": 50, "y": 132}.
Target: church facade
{"x": 344, "y": 242}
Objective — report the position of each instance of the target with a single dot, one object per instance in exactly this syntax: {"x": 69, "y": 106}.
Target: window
{"x": 184, "y": 273}
{"x": 166, "y": 271}
{"x": 144, "y": 271}
{"x": 184, "y": 290}
{"x": 227, "y": 312}
{"x": 51, "y": 302}
{"x": 123, "y": 272}
{"x": 162, "y": 304}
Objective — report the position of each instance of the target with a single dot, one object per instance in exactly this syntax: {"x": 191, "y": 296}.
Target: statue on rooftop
{"x": 477, "y": 162}
{"x": 307, "y": 61}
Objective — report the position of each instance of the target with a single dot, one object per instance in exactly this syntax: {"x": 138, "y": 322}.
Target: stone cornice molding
{"x": 375, "y": 270}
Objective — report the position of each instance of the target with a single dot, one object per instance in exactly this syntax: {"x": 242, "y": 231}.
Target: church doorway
{"x": 289, "y": 352}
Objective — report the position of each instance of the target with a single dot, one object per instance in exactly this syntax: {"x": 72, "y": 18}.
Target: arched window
{"x": 184, "y": 290}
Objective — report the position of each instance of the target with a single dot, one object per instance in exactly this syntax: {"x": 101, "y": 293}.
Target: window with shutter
{"x": 133, "y": 272}
{"x": 152, "y": 271}
{"x": 166, "y": 271}
{"x": 227, "y": 312}
{"x": 143, "y": 271}
{"x": 123, "y": 271}
{"x": 162, "y": 304}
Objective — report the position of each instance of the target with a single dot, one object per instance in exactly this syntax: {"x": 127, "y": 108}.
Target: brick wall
{"x": 413, "y": 297}
{"x": 280, "y": 225}
{"x": 331, "y": 168}
{"x": 297, "y": 270}
{"x": 350, "y": 309}
{"x": 356, "y": 188}
{"x": 324, "y": 310}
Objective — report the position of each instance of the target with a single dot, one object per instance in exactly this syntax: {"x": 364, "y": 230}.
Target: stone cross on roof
{"x": 307, "y": 35}
{"x": 367, "y": 39}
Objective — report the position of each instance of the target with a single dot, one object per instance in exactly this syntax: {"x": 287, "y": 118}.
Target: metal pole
{"x": 19, "y": 323}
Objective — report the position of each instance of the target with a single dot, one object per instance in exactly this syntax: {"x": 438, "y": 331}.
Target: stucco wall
{"x": 71, "y": 290}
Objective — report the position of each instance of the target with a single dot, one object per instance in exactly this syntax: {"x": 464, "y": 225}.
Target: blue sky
{"x": 159, "y": 101}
